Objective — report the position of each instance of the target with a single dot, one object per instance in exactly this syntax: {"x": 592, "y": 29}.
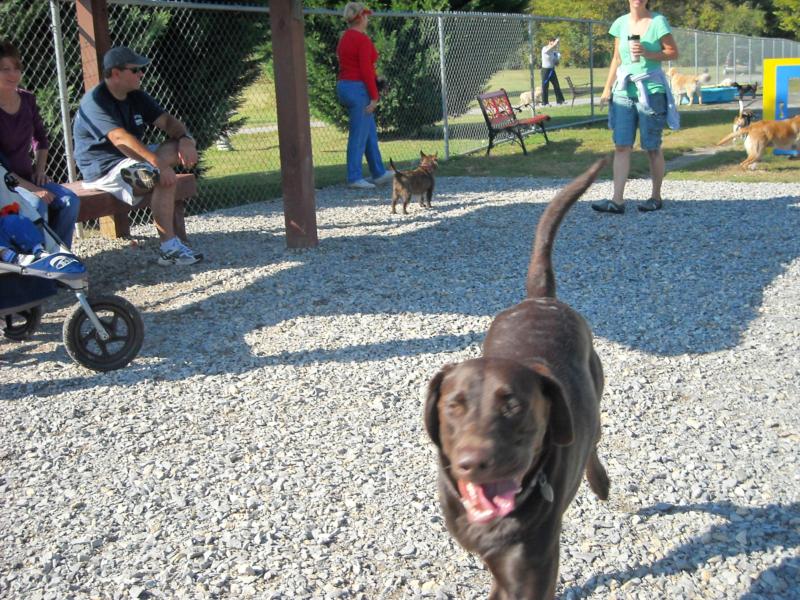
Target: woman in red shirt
{"x": 357, "y": 90}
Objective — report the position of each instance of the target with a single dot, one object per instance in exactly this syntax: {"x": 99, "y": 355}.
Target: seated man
{"x": 109, "y": 151}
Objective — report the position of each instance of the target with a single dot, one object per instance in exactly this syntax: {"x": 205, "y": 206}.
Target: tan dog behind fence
{"x": 686, "y": 84}
{"x": 531, "y": 97}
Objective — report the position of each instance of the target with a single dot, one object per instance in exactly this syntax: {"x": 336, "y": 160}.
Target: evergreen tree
{"x": 409, "y": 60}
{"x": 190, "y": 76}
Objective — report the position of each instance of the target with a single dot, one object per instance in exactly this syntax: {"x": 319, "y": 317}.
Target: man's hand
{"x": 371, "y": 106}
{"x": 187, "y": 152}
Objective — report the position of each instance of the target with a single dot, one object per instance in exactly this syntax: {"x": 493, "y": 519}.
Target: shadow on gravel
{"x": 746, "y": 530}
{"x": 688, "y": 279}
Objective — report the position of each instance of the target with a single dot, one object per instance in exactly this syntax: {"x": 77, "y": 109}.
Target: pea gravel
{"x": 268, "y": 441}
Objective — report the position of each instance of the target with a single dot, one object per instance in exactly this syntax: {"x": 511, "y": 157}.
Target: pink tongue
{"x": 485, "y": 503}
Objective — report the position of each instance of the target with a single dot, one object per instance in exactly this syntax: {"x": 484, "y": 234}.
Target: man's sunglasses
{"x": 135, "y": 70}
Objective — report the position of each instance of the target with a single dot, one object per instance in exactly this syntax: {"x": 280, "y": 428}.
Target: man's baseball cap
{"x": 353, "y": 10}
{"x": 121, "y": 56}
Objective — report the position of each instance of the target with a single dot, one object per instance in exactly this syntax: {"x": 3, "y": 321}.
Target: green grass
{"x": 572, "y": 150}
{"x": 252, "y": 171}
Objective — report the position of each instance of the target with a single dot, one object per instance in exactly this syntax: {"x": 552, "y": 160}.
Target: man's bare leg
{"x": 162, "y": 201}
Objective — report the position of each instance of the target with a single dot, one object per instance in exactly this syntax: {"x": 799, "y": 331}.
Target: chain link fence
{"x": 211, "y": 67}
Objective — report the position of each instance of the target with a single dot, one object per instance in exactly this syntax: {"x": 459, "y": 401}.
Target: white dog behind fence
{"x": 531, "y": 97}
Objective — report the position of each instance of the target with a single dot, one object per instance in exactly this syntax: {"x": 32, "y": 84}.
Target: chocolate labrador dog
{"x": 517, "y": 428}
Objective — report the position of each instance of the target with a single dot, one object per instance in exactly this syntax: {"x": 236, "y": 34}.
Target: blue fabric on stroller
{"x": 20, "y": 234}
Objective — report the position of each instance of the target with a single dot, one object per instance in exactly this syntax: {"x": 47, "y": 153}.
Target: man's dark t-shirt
{"x": 99, "y": 113}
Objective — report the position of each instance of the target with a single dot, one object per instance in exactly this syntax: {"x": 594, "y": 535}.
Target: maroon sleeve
{"x": 367, "y": 57}
{"x": 39, "y": 141}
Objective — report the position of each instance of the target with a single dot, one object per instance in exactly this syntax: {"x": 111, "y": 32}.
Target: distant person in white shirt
{"x": 550, "y": 59}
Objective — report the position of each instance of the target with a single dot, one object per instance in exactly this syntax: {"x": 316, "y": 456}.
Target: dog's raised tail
{"x": 391, "y": 165}
{"x": 541, "y": 280}
{"x": 735, "y": 134}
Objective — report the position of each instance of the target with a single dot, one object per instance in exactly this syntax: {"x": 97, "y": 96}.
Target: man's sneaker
{"x": 179, "y": 255}
{"x": 362, "y": 184}
{"x": 385, "y": 178}
{"x": 140, "y": 175}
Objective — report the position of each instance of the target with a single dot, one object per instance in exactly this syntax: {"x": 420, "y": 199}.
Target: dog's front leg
{"x": 524, "y": 573}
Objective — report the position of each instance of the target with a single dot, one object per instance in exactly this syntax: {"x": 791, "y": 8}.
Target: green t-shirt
{"x": 651, "y": 41}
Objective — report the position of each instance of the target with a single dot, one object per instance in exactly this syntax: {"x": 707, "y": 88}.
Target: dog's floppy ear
{"x": 562, "y": 431}
{"x": 432, "y": 404}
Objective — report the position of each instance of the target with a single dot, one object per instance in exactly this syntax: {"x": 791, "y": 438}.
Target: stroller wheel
{"x": 20, "y": 326}
{"x": 122, "y": 322}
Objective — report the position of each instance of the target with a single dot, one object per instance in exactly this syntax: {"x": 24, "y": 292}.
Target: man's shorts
{"x": 113, "y": 183}
{"x": 625, "y": 115}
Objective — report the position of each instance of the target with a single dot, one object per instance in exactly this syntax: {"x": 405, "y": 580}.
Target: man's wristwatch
{"x": 186, "y": 135}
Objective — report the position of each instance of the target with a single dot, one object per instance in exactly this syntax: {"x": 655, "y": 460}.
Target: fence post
{"x": 62, "y": 88}
{"x": 716, "y": 39}
{"x": 443, "y": 75}
{"x": 591, "y": 69}
{"x": 695, "y": 54}
{"x": 532, "y": 65}
{"x": 294, "y": 127}
{"x": 734, "y": 58}
{"x": 749, "y": 59}
{"x": 92, "y": 16}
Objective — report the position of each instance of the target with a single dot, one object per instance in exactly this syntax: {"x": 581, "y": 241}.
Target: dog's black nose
{"x": 473, "y": 461}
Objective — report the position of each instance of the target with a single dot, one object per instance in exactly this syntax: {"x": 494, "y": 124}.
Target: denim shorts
{"x": 625, "y": 115}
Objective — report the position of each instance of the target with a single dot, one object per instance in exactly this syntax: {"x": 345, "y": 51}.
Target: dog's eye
{"x": 510, "y": 406}
{"x": 455, "y": 405}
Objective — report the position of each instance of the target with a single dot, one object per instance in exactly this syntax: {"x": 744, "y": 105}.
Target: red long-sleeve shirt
{"x": 357, "y": 57}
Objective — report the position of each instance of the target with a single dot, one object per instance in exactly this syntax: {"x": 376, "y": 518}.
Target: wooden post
{"x": 294, "y": 127}
{"x": 95, "y": 41}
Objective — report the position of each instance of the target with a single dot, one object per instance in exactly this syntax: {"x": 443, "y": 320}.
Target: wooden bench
{"x": 501, "y": 118}
{"x": 576, "y": 91}
{"x": 113, "y": 214}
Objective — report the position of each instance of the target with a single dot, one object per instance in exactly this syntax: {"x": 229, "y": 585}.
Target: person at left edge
{"x": 22, "y": 132}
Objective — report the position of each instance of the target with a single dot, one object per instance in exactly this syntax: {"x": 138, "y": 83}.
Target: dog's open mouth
{"x": 489, "y": 501}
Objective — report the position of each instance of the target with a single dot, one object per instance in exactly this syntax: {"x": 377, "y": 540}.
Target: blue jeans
{"x": 61, "y": 219}
{"x": 363, "y": 137}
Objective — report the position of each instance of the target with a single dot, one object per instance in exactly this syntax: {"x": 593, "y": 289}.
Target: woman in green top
{"x": 627, "y": 111}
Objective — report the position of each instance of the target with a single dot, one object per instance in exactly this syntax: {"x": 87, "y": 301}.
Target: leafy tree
{"x": 788, "y": 14}
{"x": 498, "y": 6}
{"x": 409, "y": 59}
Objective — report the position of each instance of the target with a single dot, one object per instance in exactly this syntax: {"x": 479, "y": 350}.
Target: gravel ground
{"x": 268, "y": 441}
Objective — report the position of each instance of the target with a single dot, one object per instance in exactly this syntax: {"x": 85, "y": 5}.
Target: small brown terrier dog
{"x": 418, "y": 182}
{"x": 517, "y": 428}
{"x": 763, "y": 134}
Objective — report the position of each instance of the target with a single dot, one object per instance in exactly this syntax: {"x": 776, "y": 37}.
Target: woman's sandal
{"x": 608, "y": 206}
{"x": 651, "y": 205}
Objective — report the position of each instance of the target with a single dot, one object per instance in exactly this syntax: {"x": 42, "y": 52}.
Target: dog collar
{"x": 538, "y": 481}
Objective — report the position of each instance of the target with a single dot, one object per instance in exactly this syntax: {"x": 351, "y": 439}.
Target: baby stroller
{"x": 101, "y": 333}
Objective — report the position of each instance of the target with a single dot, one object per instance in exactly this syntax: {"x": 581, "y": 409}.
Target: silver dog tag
{"x": 546, "y": 488}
